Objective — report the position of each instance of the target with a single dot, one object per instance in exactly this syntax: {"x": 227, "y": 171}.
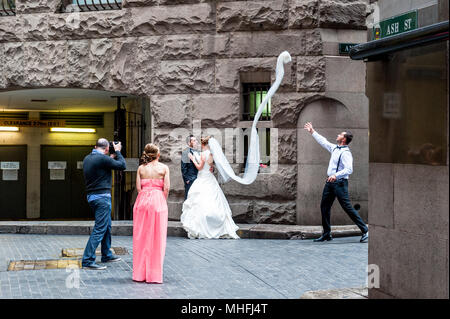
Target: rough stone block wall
{"x": 187, "y": 57}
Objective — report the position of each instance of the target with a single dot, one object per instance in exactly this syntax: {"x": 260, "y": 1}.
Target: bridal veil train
{"x": 206, "y": 213}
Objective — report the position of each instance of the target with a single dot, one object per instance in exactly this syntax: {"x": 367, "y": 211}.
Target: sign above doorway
{"x": 32, "y": 123}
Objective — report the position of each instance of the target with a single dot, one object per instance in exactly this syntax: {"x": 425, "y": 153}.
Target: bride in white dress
{"x": 206, "y": 213}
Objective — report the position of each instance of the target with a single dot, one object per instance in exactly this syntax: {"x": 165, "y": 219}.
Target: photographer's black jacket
{"x": 97, "y": 171}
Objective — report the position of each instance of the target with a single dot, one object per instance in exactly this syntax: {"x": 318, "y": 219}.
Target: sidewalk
{"x": 125, "y": 228}
{"x": 193, "y": 269}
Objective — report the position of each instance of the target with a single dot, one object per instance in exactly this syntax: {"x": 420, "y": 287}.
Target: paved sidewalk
{"x": 125, "y": 228}
{"x": 244, "y": 268}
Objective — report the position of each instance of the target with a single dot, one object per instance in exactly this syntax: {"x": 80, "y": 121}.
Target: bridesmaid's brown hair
{"x": 149, "y": 154}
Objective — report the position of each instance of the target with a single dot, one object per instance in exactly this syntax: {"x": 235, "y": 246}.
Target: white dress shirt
{"x": 343, "y": 152}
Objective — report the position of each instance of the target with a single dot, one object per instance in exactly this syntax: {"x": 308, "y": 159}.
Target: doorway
{"x": 13, "y": 182}
{"x": 63, "y": 194}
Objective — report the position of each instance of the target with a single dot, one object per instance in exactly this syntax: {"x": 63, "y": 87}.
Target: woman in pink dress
{"x": 150, "y": 217}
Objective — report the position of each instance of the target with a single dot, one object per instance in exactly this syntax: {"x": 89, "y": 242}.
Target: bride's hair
{"x": 149, "y": 154}
{"x": 204, "y": 140}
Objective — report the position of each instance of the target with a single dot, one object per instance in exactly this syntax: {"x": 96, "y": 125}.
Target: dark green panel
{"x": 79, "y": 206}
{"x": 13, "y": 194}
{"x": 64, "y": 199}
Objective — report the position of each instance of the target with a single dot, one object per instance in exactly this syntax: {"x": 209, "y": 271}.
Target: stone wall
{"x": 187, "y": 57}
{"x": 409, "y": 230}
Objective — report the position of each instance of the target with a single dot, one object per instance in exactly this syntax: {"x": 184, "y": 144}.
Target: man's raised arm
{"x": 319, "y": 138}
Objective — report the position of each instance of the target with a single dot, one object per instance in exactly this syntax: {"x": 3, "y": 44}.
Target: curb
{"x": 343, "y": 293}
{"x": 174, "y": 229}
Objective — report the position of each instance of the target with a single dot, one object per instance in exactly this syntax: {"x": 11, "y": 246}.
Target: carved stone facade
{"x": 187, "y": 57}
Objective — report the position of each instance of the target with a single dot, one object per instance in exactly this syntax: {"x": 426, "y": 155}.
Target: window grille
{"x": 7, "y": 8}
{"x": 14, "y": 115}
{"x": 75, "y": 119}
{"x": 92, "y": 5}
{"x": 253, "y": 94}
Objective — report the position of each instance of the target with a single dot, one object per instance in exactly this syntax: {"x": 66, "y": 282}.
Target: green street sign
{"x": 395, "y": 25}
{"x": 344, "y": 48}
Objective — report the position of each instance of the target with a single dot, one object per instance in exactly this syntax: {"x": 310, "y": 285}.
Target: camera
{"x": 111, "y": 147}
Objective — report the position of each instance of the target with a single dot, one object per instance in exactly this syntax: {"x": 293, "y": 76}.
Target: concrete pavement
{"x": 244, "y": 268}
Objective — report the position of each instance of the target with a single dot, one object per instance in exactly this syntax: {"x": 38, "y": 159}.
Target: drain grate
{"x": 18, "y": 265}
{"x": 78, "y": 252}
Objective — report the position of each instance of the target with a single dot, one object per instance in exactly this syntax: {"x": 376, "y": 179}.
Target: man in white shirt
{"x": 339, "y": 169}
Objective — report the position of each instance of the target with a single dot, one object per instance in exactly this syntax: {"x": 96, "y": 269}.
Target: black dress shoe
{"x": 323, "y": 238}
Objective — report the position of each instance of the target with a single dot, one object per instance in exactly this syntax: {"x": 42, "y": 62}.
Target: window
{"x": 408, "y": 116}
{"x": 7, "y": 7}
{"x": 252, "y": 95}
{"x": 93, "y": 5}
{"x": 264, "y": 146}
{"x": 75, "y": 119}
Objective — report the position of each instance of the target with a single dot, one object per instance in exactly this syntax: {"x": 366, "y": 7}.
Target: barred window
{"x": 7, "y": 8}
{"x": 253, "y": 94}
{"x": 93, "y": 5}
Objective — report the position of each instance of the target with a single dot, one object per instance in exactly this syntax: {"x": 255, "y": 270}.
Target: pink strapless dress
{"x": 150, "y": 215}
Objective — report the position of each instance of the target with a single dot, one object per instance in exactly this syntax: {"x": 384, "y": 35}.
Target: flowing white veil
{"x": 252, "y": 165}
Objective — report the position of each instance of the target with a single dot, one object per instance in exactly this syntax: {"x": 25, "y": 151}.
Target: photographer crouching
{"x": 97, "y": 168}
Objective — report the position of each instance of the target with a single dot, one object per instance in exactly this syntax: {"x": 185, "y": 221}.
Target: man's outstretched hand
{"x": 308, "y": 126}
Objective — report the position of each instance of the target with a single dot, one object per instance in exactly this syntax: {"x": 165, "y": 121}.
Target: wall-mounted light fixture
{"x": 9, "y": 129}
{"x": 72, "y": 130}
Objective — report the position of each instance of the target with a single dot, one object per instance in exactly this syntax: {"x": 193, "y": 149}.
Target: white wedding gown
{"x": 206, "y": 213}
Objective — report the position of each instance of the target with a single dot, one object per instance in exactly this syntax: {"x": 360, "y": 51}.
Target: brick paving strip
{"x": 125, "y": 228}
{"x": 19, "y": 265}
{"x": 63, "y": 263}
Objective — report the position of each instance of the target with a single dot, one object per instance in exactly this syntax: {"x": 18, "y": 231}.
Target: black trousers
{"x": 338, "y": 189}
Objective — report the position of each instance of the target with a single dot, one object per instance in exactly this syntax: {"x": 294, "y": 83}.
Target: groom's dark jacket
{"x": 188, "y": 169}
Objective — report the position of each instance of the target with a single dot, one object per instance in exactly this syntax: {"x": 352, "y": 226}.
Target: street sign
{"x": 395, "y": 25}
{"x": 344, "y": 48}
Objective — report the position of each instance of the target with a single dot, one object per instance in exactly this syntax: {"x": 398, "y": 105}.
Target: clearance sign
{"x": 32, "y": 123}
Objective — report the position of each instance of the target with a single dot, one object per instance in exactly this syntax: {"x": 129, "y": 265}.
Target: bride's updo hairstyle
{"x": 149, "y": 154}
{"x": 204, "y": 140}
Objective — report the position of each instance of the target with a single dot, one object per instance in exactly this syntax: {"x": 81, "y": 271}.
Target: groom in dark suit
{"x": 188, "y": 169}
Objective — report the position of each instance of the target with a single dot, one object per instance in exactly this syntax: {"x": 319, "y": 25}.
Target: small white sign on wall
{"x": 10, "y": 175}
{"x": 57, "y": 165}
{"x": 392, "y": 106}
{"x": 10, "y": 165}
{"x": 79, "y": 164}
{"x": 57, "y": 174}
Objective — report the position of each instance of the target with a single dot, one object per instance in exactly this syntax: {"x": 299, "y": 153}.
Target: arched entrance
{"x": 54, "y": 129}
{"x": 329, "y": 117}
